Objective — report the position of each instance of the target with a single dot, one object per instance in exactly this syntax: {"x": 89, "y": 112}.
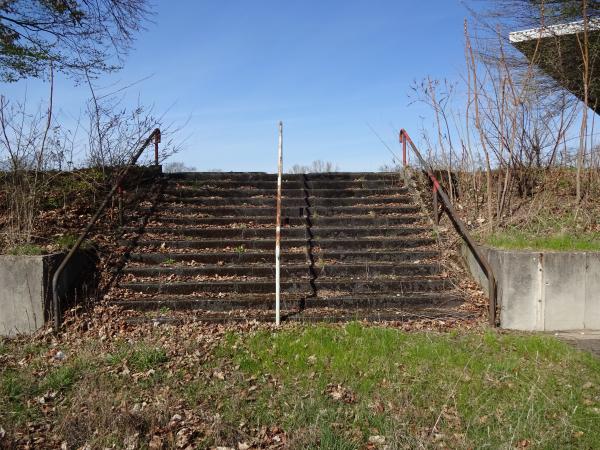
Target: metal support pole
{"x": 278, "y": 230}
{"x": 403, "y": 139}
{"x": 404, "y": 158}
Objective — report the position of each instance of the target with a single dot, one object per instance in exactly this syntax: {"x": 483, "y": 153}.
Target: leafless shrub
{"x": 115, "y": 132}
{"x": 178, "y": 166}
{"x": 514, "y": 125}
{"x": 394, "y": 167}
{"x": 316, "y": 166}
{"x": 30, "y": 144}
{"x": 35, "y": 148}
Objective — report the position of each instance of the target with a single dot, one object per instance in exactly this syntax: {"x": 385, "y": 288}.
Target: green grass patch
{"x": 139, "y": 358}
{"x": 325, "y": 387}
{"x": 33, "y": 349}
{"x": 522, "y": 240}
{"x": 417, "y": 389}
{"x": 19, "y": 388}
{"x": 67, "y": 241}
{"x": 62, "y": 378}
{"x": 15, "y": 389}
{"x": 26, "y": 250}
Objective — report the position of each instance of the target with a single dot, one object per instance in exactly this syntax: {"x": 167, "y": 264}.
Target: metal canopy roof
{"x": 556, "y": 50}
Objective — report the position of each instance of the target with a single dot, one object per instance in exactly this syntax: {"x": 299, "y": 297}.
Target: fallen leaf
{"x": 340, "y": 393}
{"x": 183, "y": 437}
{"x": 155, "y": 443}
{"x": 131, "y": 441}
{"x": 377, "y": 440}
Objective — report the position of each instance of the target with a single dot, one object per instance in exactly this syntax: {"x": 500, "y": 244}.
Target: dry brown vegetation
{"x": 514, "y": 150}
{"x": 47, "y": 170}
{"x": 108, "y": 382}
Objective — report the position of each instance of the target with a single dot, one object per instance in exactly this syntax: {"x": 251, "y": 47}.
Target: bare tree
{"x": 317, "y": 166}
{"x": 510, "y": 130}
{"x": 115, "y": 131}
{"x": 567, "y": 61}
{"x": 74, "y": 35}
{"x": 30, "y": 144}
{"x": 177, "y": 166}
{"x": 34, "y": 145}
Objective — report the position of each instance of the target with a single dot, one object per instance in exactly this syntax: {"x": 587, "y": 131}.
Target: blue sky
{"x": 230, "y": 70}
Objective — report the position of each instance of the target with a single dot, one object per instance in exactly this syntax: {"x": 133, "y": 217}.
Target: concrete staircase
{"x": 354, "y": 245}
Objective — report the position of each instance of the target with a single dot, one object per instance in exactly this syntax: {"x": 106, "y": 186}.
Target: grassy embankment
{"x": 312, "y": 387}
{"x": 556, "y": 229}
{"x": 524, "y": 240}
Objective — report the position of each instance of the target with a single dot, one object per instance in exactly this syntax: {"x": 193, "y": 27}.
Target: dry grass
{"x": 345, "y": 387}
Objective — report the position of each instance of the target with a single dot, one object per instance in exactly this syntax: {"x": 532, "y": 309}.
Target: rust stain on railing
{"x": 117, "y": 187}
{"x": 458, "y": 224}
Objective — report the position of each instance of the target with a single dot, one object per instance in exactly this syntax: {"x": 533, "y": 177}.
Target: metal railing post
{"x": 459, "y": 226}
{"x": 157, "y": 139}
{"x": 436, "y": 217}
{"x": 278, "y": 229}
{"x": 403, "y": 140}
{"x": 56, "y": 307}
{"x": 404, "y": 158}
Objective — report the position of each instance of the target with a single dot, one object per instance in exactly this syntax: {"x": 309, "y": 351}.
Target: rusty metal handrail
{"x": 458, "y": 224}
{"x": 154, "y": 136}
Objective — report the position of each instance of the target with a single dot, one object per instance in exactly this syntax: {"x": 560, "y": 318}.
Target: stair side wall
{"x": 26, "y": 288}
{"x": 543, "y": 290}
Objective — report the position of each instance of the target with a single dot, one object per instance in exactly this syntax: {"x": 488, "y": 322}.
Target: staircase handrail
{"x": 460, "y": 227}
{"x": 154, "y": 136}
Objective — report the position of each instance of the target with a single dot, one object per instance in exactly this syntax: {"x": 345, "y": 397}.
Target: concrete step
{"x": 262, "y": 176}
{"x": 255, "y": 211}
{"x": 367, "y": 270}
{"x": 319, "y": 221}
{"x": 310, "y": 315}
{"x": 446, "y": 313}
{"x": 353, "y": 286}
{"x": 299, "y": 232}
{"x": 267, "y": 302}
{"x": 313, "y": 315}
{"x": 292, "y": 184}
{"x": 241, "y": 245}
{"x": 354, "y": 245}
{"x": 291, "y": 202}
{"x": 253, "y": 257}
{"x": 202, "y": 192}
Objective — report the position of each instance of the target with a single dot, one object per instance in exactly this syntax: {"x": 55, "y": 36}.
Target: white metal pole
{"x": 278, "y": 230}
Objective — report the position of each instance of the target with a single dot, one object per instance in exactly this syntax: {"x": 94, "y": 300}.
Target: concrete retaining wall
{"x": 26, "y": 288}
{"x": 543, "y": 291}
